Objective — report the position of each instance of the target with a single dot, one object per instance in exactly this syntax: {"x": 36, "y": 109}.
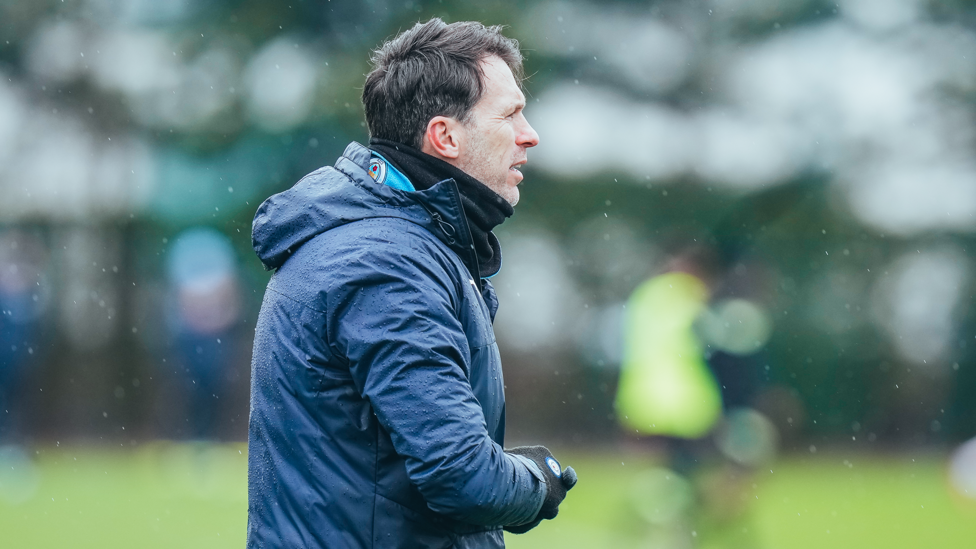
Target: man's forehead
{"x": 500, "y": 83}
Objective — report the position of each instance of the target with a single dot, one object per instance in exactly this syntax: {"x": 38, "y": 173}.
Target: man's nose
{"x": 527, "y": 137}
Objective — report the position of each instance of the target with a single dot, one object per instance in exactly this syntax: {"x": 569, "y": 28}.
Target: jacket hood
{"x": 335, "y": 195}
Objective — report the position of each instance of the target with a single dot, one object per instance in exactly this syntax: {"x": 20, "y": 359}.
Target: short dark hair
{"x": 432, "y": 69}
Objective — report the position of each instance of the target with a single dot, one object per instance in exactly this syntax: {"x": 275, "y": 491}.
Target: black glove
{"x": 557, "y": 484}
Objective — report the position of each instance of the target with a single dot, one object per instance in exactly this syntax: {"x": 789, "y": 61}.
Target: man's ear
{"x": 441, "y": 139}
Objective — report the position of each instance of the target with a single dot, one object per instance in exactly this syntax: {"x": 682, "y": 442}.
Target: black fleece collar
{"x": 483, "y": 208}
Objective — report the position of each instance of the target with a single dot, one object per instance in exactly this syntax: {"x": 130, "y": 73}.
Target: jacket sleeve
{"x": 393, "y": 317}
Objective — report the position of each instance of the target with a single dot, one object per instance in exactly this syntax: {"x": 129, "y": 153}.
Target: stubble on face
{"x": 496, "y": 133}
{"x": 478, "y": 163}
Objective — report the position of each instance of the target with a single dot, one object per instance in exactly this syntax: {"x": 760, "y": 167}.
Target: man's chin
{"x": 513, "y": 198}
{"x": 507, "y": 190}
{"x": 510, "y": 193}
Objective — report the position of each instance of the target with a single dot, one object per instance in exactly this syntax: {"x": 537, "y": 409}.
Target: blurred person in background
{"x": 666, "y": 387}
{"x": 22, "y": 302}
{"x": 377, "y": 404}
{"x": 204, "y": 319}
{"x": 688, "y": 375}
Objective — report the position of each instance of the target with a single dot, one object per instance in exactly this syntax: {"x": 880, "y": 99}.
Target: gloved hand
{"x": 557, "y": 484}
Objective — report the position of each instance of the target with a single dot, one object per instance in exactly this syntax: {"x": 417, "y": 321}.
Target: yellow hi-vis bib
{"x": 665, "y": 386}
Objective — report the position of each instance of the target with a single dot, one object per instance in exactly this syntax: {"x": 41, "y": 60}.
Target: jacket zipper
{"x": 449, "y": 232}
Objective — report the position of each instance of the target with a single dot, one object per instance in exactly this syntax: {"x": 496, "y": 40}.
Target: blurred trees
{"x": 822, "y": 151}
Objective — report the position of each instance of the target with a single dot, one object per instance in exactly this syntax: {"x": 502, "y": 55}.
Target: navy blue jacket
{"x": 377, "y": 399}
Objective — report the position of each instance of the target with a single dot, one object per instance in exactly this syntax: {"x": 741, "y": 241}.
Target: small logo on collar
{"x": 377, "y": 169}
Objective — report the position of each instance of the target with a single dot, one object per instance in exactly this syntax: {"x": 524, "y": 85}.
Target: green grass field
{"x": 194, "y": 495}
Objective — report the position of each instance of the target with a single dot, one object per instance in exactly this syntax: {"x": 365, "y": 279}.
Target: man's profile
{"x": 377, "y": 398}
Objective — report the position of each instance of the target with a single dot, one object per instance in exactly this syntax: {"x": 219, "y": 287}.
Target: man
{"x": 377, "y": 402}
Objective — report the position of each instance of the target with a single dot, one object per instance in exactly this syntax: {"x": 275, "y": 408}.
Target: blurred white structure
{"x": 962, "y": 469}
{"x": 56, "y": 168}
{"x": 873, "y": 98}
{"x": 91, "y": 299}
{"x": 918, "y": 303}
{"x": 537, "y": 294}
{"x": 54, "y": 52}
{"x": 281, "y": 80}
{"x": 881, "y": 14}
{"x": 587, "y": 131}
{"x": 648, "y": 53}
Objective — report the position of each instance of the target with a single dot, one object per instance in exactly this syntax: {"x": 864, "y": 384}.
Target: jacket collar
{"x": 437, "y": 209}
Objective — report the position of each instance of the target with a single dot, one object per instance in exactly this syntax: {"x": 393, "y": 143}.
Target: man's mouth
{"x": 516, "y": 167}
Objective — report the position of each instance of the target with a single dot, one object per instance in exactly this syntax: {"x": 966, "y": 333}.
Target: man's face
{"x": 496, "y": 135}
